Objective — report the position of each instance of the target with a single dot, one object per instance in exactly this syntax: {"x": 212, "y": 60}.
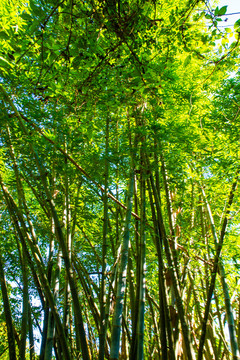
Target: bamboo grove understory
{"x": 119, "y": 169}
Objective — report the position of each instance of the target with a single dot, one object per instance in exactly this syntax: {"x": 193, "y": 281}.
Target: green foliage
{"x": 169, "y": 91}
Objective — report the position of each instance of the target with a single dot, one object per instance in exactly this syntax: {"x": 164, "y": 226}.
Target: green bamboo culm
{"x": 122, "y": 275}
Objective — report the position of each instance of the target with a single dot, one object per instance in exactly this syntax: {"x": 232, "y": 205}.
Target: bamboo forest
{"x": 119, "y": 171}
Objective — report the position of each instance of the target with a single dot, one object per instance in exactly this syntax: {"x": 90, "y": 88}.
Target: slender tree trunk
{"x": 25, "y": 306}
{"x": 44, "y": 331}
{"x": 103, "y": 328}
{"x": 30, "y": 331}
{"x": 47, "y": 311}
{"x": 229, "y": 313}
{"x": 218, "y": 245}
{"x": 68, "y": 240}
{"x": 131, "y": 281}
{"x": 51, "y": 322}
{"x": 170, "y": 219}
{"x": 142, "y": 269}
{"x": 221, "y": 330}
{"x": 156, "y": 338}
{"x": 117, "y": 317}
{"x": 135, "y": 305}
{"x": 124, "y": 342}
{"x": 161, "y": 284}
{"x": 8, "y": 315}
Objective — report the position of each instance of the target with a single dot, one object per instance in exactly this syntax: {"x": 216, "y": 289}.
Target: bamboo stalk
{"x": 8, "y": 315}
{"x": 117, "y": 317}
{"x": 103, "y": 329}
{"x": 218, "y": 246}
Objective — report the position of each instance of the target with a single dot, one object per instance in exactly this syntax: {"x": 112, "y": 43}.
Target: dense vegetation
{"x": 119, "y": 164}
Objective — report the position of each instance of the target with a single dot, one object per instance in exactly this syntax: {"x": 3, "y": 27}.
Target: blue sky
{"x": 233, "y": 7}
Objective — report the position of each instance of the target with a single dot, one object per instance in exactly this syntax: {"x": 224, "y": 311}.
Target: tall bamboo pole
{"x": 218, "y": 266}
{"x": 8, "y": 315}
{"x": 142, "y": 270}
{"x": 117, "y": 316}
{"x": 103, "y": 324}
